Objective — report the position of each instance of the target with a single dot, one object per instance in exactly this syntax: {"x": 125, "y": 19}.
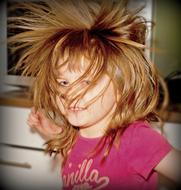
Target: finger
{"x": 41, "y": 115}
{"x": 33, "y": 118}
{"x": 33, "y": 124}
{"x": 33, "y": 110}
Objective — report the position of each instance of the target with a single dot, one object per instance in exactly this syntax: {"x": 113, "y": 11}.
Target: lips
{"x": 76, "y": 108}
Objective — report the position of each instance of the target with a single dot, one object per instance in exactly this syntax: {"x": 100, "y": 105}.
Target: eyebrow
{"x": 61, "y": 77}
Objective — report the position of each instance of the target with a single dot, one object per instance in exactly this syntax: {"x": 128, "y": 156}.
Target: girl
{"x": 95, "y": 93}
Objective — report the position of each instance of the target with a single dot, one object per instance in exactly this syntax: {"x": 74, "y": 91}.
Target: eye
{"x": 87, "y": 82}
{"x": 63, "y": 83}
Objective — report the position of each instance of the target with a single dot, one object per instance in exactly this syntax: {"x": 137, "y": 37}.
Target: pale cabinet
{"x": 23, "y": 163}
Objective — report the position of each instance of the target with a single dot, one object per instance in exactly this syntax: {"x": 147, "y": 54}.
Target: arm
{"x": 170, "y": 166}
{"x": 38, "y": 121}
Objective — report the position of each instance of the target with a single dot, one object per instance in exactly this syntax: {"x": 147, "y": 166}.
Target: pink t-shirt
{"x": 128, "y": 168}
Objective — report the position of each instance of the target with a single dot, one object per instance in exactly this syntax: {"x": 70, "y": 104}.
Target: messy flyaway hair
{"x": 106, "y": 33}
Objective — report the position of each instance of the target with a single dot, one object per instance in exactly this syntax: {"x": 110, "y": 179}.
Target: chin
{"x": 76, "y": 122}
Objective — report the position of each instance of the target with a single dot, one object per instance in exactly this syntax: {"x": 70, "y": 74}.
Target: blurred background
{"x": 167, "y": 44}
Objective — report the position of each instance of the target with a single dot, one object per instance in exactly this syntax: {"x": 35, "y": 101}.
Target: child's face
{"x": 94, "y": 118}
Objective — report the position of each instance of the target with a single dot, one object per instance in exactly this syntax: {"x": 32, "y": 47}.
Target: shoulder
{"x": 138, "y": 128}
{"x": 142, "y": 136}
{"x": 139, "y": 125}
{"x": 144, "y": 147}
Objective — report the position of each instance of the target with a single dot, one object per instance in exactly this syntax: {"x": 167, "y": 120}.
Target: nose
{"x": 70, "y": 97}
{"x": 71, "y": 100}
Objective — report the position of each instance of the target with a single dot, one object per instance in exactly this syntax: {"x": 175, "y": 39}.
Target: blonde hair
{"x": 110, "y": 36}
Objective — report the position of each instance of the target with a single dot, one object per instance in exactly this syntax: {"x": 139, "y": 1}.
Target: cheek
{"x": 109, "y": 98}
{"x": 60, "y": 105}
{"x": 106, "y": 101}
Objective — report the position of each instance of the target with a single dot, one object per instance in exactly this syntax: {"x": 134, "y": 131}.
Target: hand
{"x": 37, "y": 120}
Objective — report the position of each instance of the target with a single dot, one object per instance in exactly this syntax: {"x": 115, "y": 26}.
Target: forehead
{"x": 68, "y": 66}
{"x": 73, "y": 65}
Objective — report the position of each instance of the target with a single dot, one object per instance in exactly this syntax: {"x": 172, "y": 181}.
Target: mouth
{"x": 76, "y": 109}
